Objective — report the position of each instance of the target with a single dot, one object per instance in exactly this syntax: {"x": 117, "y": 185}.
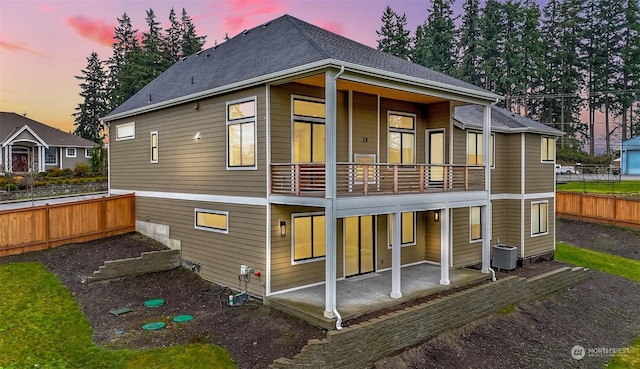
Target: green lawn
{"x": 627, "y": 268}
{"x": 41, "y": 326}
{"x": 622, "y": 187}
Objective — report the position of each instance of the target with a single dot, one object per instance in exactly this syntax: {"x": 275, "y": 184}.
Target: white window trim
{"x": 403, "y": 130}
{"x": 87, "y": 153}
{"x": 151, "y": 146}
{"x": 66, "y": 151}
{"x": 531, "y": 218}
{"x": 306, "y": 261}
{"x": 55, "y": 151}
{"x": 415, "y": 225}
{"x": 374, "y": 169}
{"x": 253, "y": 119}
{"x": 210, "y": 229}
{"x": 303, "y": 118}
{"x": 125, "y": 125}
{"x": 471, "y": 240}
{"x": 493, "y": 149}
{"x": 546, "y": 161}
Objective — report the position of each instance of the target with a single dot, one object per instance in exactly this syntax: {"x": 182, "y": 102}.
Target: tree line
{"x": 136, "y": 60}
{"x": 553, "y": 64}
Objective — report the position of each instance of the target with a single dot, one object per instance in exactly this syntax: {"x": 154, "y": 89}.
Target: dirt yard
{"x": 603, "y": 312}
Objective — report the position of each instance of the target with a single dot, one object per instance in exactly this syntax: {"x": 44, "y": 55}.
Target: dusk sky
{"x": 44, "y": 44}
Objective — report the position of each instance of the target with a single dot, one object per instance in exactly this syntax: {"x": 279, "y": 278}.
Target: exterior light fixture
{"x": 283, "y": 228}
{"x": 436, "y": 215}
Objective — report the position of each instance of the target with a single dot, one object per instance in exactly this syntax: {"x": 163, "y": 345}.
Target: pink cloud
{"x": 47, "y": 8}
{"x": 93, "y": 29}
{"x": 20, "y": 47}
{"x": 249, "y": 13}
{"x": 331, "y": 26}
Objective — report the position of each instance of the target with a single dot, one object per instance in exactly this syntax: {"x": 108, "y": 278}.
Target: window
{"x": 476, "y": 223}
{"x": 212, "y": 220}
{"x": 475, "y": 146}
{"x": 126, "y": 131}
{"x": 402, "y": 138}
{"x": 51, "y": 156}
{"x": 539, "y": 218}
{"x": 71, "y": 152}
{"x": 241, "y": 134}
{"x": 87, "y": 153}
{"x": 308, "y": 130}
{"x": 548, "y": 149}
{"x": 154, "y": 146}
{"x": 408, "y": 229}
{"x": 308, "y": 237}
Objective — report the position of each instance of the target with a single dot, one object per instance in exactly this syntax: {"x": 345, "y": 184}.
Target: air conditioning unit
{"x": 504, "y": 257}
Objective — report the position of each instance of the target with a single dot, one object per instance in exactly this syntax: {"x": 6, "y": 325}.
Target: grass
{"x": 41, "y": 326}
{"x": 627, "y": 268}
{"x": 622, "y": 187}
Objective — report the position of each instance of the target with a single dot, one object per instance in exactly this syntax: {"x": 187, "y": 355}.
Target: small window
{"x": 241, "y": 134}
{"x": 154, "y": 147}
{"x": 71, "y": 152}
{"x": 308, "y": 117}
{"x": 212, "y": 220}
{"x": 87, "y": 153}
{"x": 475, "y": 147}
{"x": 51, "y": 156}
{"x": 402, "y": 138}
{"x": 539, "y": 218}
{"x": 126, "y": 131}
{"x": 407, "y": 229}
{"x": 308, "y": 241}
{"x": 476, "y": 223}
{"x": 548, "y": 149}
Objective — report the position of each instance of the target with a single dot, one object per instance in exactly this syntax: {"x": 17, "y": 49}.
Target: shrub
{"x": 67, "y": 181}
{"x": 75, "y": 181}
{"x": 67, "y": 172}
{"x": 3, "y": 181}
{"x": 54, "y": 172}
{"x": 39, "y": 183}
{"x": 59, "y": 181}
{"x": 10, "y": 187}
{"x": 81, "y": 170}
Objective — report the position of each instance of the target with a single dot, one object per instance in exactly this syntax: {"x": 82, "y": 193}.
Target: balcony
{"x": 372, "y": 179}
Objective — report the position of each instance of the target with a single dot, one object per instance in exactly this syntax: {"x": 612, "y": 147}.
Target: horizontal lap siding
{"x": 506, "y": 223}
{"x": 185, "y": 164}
{"x": 502, "y": 174}
{"x": 513, "y": 162}
{"x": 459, "y": 146}
{"x": 536, "y": 245}
{"x": 365, "y": 124}
{"x": 219, "y": 254}
{"x": 439, "y": 117}
{"x": 464, "y": 252}
{"x": 432, "y": 238}
{"x": 539, "y": 176}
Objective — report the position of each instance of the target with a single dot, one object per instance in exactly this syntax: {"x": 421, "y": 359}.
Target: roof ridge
{"x": 304, "y": 34}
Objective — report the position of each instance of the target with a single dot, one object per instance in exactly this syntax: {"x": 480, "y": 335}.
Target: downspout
{"x": 333, "y": 199}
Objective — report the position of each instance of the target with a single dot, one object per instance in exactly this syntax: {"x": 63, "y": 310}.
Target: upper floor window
{"x": 407, "y": 229}
{"x": 71, "y": 152}
{"x": 539, "y": 222}
{"x": 51, "y": 156}
{"x": 241, "y": 134}
{"x": 308, "y": 240}
{"x": 308, "y": 115}
{"x": 154, "y": 146}
{"x": 475, "y": 149}
{"x": 476, "y": 222}
{"x": 126, "y": 131}
{"x": 548, "y": 149}
{"x": 402, "y": 138}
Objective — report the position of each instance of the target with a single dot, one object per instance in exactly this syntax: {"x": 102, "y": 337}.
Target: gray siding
{"x": 464, "y": 252}
{"x": 506, "y": 223}
{"x": 539, "y": 176}
{"x": 536, "y": 245}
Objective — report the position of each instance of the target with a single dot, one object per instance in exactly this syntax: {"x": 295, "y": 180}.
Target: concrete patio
{"x": 369, "y": 292}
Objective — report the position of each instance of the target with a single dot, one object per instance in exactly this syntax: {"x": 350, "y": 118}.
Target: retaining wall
{"x": 149, "y": 262}
{"x": 361, "y": 345}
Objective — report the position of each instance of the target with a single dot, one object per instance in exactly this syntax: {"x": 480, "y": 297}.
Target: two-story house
{"x": 311, "y": 158}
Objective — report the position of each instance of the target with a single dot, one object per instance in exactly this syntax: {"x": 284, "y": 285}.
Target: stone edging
{"x": 148, "y": 262}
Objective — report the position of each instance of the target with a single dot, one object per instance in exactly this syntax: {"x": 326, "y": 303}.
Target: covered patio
{"x": 369, "y": 292}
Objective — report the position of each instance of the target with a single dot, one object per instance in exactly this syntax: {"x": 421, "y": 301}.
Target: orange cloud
{"x": 95, "y": 30}
{"x": 20, "y": 47}
{"x": 330, "y": 26}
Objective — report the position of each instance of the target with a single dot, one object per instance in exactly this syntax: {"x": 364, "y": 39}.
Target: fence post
{"x": 103, "y": 214}
{"x": 47, "y": 226}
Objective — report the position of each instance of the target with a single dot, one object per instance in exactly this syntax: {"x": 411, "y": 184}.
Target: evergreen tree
{"x": 533, "y": 60}
{"x": 510, "y": 79}
{"x": 153, "y": 61}
{"x": 469, "y": 44}
{"x": 393, "y": 38}
{"x": 191, "y": 43}
{"x": 490, "y": 44}
{"x": 94, "y": 104}
{"x": 173, "y": 35}
{"x": 629, "y": 96}
{"x": 434, "y": 44}
{"x": 121, "y": 63}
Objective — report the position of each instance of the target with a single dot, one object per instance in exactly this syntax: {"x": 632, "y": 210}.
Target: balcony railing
{"x": 308, "y": 179}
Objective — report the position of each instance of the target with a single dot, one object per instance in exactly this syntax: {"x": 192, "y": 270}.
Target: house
{"x": 630, "y": 156}
{"x": 29, "y": 144}
{"x": 290, "y": 157}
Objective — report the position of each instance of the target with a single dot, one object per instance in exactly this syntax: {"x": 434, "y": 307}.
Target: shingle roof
{"x": 279, "y": 45}
{"x": 10, "y": 123}
{"x": 471, "y": 116}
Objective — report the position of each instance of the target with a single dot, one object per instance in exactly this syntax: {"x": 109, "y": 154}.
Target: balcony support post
{"x": 486, "y": 210}
{"x": 444, "y": 247}
{"x": 396, "y": 289}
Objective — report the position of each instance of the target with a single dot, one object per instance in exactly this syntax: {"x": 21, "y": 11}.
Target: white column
{"x": 486, "y": 210}
{"x": 41, "y": 159}
{"x": 396, "y": 289}
{"x": 9, "y": 167}
{"x": 444, "y": 247}
{"x": 330, "y": 194}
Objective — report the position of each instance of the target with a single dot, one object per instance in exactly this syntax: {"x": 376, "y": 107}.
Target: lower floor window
{"x": 476, "y": 223}
{"x": 407, "y": 229}
{"x": 50, "y": 156}
{"x": 539, "y": 218}
{"x": 212, "y": 220}
{"x": 308, "y": 237}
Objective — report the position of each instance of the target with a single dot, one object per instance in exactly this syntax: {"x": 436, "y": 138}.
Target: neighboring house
{"x": 29, "y": 145}
{"x": 630, "y": 155}
{"x": 303, "y": 154}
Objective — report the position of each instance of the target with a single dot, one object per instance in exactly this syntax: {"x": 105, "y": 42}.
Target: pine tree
{"x": 533, "y": 61}
{"x": 490, "y": 44}
{"x": 434, "y": 44}
{"x": 191, "y": 43}
{"x": 125, "y": 46}
{"x": 393, "y": 38}
{"x": 630, "y": 81}
{"x": 94, "y": 104}
{"x": 173, "y": 35}
{"x": 153, "y": 62}
{"x": 469, "y": 44}
{"x": 510, "y": 78}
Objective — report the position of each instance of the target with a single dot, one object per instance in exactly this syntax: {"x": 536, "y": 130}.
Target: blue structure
{"x": 631, "y": 156}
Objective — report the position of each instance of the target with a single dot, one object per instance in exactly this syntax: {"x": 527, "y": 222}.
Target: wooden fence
{"x": 44, "y": 227}
{"x": 598, "y": 208}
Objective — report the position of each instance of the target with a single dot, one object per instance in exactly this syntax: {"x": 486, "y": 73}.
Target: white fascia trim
{"x": 526, "y": 196}
{"x": 295, "y": 200}
{"x": 18, "y": 132}
{"x": 241, "y": 200}
{"x": 267, "y": 285}
{"x": 464, "y": 126}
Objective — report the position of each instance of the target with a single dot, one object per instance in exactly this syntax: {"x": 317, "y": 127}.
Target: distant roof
{"x": 266, "y": 51}
{"x": 10, "y": 123}
{"x": 471, "y": 116}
